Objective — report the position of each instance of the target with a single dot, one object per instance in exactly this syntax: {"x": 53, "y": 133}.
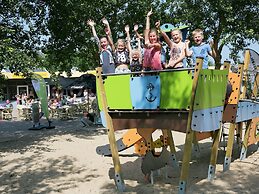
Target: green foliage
{"x": 70, "y": 42}
{"x": 21, "y": 30}
{"x": 228, "y": 22}
{"x": 54, "y": 34}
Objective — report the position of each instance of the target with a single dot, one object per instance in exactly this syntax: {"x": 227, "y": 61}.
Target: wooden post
{"x": 189, "y": 132}
{"x": 245, "y": 75}
{"x": 256, "y": 85}
{"x": 215, "y": 144}
{"x": 231, "y": 135}
{"x": 196, "y": 146}
{"x": 214, "y": 154}
{"x": 245, "y": 141}
{"x": 172, "y": 148}
{"x": 114, "y": 150}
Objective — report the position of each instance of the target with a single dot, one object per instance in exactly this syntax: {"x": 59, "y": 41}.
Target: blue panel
{"x": 247, "y": 110}
{"x": 145, "y": 92}
{"x": 103, "y": 119}
{"x": 207, "y": 119}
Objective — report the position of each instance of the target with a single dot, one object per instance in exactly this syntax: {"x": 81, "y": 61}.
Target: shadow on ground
{"x": 15, "y": 136}
{"x": 198, "y": 173}
{"x": 30, "y": 171}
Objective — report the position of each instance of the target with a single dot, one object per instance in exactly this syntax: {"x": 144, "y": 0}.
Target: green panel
{"x": 176, "y": 88}
{"x": 118, "y": 91}
{"x": 211, "y": 89}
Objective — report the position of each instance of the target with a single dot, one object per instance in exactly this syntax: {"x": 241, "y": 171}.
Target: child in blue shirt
{"x": 200, "y": 49}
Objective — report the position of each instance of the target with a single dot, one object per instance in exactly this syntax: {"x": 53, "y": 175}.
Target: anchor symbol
{"x": 150, "y": 98}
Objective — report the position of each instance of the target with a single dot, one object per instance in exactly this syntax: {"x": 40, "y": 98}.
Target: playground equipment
{"x": 192, "y": 101}
{"x": 242, "y": 107}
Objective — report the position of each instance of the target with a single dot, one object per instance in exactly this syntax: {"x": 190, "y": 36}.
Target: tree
{"x": 228, "y": 22}
{"x": 71, "y": 44}
{"x": 22, "y": 25}
{"x": 53, "y": 34}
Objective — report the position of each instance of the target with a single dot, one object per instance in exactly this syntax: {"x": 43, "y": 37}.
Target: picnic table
{"x": 6, "y": 113}
{"x": 24, "y": 112}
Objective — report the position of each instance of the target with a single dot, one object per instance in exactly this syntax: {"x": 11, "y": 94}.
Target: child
{"x": 200, "y": 49}
{"x": 120, "y": 53}
{"x": 121, "y": 57}
{"x": 152, "y": 53}
{"x": 106, "y": 59}
{"x": 135, "y": 54}
{"x": 177, "y": 47}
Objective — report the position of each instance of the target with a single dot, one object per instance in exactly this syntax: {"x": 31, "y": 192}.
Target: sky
{"x": 225, "y": 52}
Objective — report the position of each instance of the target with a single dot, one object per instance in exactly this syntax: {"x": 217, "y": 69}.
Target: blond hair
{"x": 179, "y": 31}
{"x": 136, "y": 51}
{"x": 122, "y": 41}
{"x": 198, "y": 31}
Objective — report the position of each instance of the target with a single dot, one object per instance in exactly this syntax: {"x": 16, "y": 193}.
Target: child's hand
{"x": 136, "y": 27}
{"x": 157, "y": 24}
{"x": 127, "y": 28}
{"x": 149, "y": 13}
{"x": 107, "y": 31}
{"x": 90, "y": 23}
{"x": 211, "y": 43}
{"x": 187, "y": 42}
{"x": 105, "y": 21}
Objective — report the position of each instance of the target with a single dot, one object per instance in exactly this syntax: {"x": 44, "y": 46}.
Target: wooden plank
{"x": 231, "y": 136}
{"x": 189, "y": 131}
{"x": 113, "y": 146}
{"x": 245, "y": 76}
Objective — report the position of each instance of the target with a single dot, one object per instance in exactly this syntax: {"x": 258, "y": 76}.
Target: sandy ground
{"x": 63, "y": 160}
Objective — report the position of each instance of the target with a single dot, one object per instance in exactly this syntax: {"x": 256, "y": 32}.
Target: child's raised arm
{"x": 108, "y": 35}
{"x": 107, "y": 25}
{"x": 91, "y": 23}
{"x": 139, "y": 50}
{"x": 128, "y": 38}
{"x": 147, "y": 27}
{"x": 213, "y": 52}
{"x": 136, "y": 32}
{"x": 188, "y": 52}
{"x": 167, "y": 39}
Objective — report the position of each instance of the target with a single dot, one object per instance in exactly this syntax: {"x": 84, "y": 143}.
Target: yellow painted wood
{"x": 246, "y": 136}
{"x": 216, "y": 134}
{"x": 214, "y": 148}
{"x": 256, "y": 85}
{"x": 195, "y": 140}
{"x": 231, "y": 135}
{"x": 226, "y": 65}
{"x": 171, "y": 141}
{"x": 253, "y": 136}
{"x": 239, "y": 132}
{"x": 189, "y": 131}
{"x": 111, "y": 136}
{"x": 245, "y": 75}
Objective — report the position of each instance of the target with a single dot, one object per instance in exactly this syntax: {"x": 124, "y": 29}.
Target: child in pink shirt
{"x": 152, "y": 52}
